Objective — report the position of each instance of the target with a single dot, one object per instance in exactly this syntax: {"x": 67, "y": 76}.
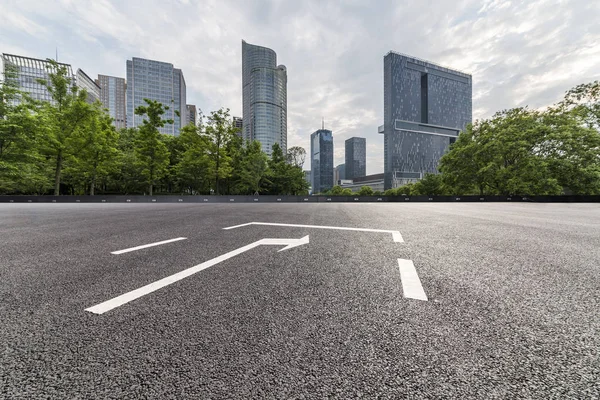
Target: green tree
{"x": 194, "y": 169}
{"x": 390, "y": 192}
{"x": 431, "y": 185}
{"x": 253, "y": 169}
{"x": 151, "y": 153}
{"x": 296, "y": 156}
{"x": 284, "y": 178}
{"x": 99, "y": 155}
{"x": 405, "y": 190}
{"x": 63, "y": 120}
{"x": 365, "y": 191}
{"x": 584, "y": 102}
{"x": 22, "y": 168}
{"x": 220, "y": 131}
{"x": 336, "y": 191}
{"x": 347, "y": 192}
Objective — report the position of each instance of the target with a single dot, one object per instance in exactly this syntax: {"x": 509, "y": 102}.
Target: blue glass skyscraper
{"x": 321, "y": 158}
{"x": 264, "y": 97}
{"x": 159, "y": 81}
{"x": 425, "y": 108}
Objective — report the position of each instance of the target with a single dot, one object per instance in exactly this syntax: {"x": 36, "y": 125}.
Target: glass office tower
{"x": 157, "y": 81}
{"x": 29, "y": 70}
{"x": 425, "y": 108}
{"x": 321, "y": 158}
{"x": 356, "y": 158}
{"x": 112, "y": 96}
{"x": 264, "y": 97}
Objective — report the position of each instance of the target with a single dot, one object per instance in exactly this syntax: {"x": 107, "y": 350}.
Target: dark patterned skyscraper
{"x": 264, "y": 95}
{"x": 321, "y": 159}
{"x": 356, "y": 158}
{"x": 425, "y": 108}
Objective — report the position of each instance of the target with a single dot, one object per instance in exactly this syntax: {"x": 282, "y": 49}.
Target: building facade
{"x": 84, "y": 82}
{"x": 112, "y": 96}
{"x": 425, "y": 108}
{"x": 374, "y": 181}
{"x": 238, "y": 123}
{"x": 339, "y": 174}
{"x": 321, "y": 156}
{"x": 264, "y": 97}
{"x": 356, "y": 157}
{"x": 191, "y": 114}
{"x": 29, "y": 70}
{"x": 159, "y": 81}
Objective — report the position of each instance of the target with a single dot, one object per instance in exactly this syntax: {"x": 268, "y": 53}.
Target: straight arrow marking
{"x": 411, "y": 284}
{"x": 154, "y": 286}
{"x": 396, "y": 236}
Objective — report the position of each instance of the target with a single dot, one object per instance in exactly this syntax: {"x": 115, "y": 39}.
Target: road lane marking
{"x": 146, "y": 246}
{"x": 395, "y": 234}
{"x": 154, "y": 286}
{"x": 411, "y": 284}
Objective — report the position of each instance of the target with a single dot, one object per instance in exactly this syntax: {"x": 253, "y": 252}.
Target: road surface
{"x": 493, "y": 300}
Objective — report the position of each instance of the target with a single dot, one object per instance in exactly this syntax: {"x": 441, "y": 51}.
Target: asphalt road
{"x": 513, "y": 307}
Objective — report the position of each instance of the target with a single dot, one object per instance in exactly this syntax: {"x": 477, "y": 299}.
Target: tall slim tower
{"x": 424, "y": 109}
{"x": 321, "y": 158}
{"x": 159, "y": 81}
{"x": 264, "y": 97}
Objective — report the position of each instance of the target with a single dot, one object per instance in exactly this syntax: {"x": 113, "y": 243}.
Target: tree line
{"x": 68, "y": 146}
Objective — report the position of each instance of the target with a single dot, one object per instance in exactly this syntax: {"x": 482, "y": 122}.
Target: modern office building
{"x": 264, "y": 97}
{"x": 29, "y": 70}
{"x": 425, "y": 108}
{"x": 239, "y": 125}
{"x": 159, "y": 81}
{"x": 339, "y": 174}
{"x": 321, "y": 156}
{"x": 356, "y": 157}
{"x": 191, "y": 114}
{"x": 112, "y": 96}
{"x": 374, "y": 181}
{"x": 84, "y": 82}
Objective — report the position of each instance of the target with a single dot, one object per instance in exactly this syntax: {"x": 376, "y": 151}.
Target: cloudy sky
{"x": 519, "y": 52}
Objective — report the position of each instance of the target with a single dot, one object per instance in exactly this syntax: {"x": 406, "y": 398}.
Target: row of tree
{"x": 68, "y": 146}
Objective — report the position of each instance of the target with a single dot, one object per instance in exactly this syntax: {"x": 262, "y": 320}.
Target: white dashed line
{"x": 411, "y": 284}
{"x": 146, "y": 246}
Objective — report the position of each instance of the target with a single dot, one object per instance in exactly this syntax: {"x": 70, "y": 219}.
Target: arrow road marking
{"x": 411, "y": 284}
{"x": 395, "y": 234}
{"x": 146, "y": 245}
{"x": 144, "y": 290}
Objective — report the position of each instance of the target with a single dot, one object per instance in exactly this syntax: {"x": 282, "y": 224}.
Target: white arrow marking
{"x": 411, "y": 284}
{"x": 147, "y": 245}
{"x": 395, "y": 234}
{"x": 144, "y": 290}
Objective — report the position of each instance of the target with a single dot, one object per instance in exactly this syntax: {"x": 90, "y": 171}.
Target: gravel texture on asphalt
{"x": 513, "y": 310}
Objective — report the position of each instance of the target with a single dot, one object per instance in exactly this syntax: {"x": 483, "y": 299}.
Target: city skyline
{"x": 521, "y": 55}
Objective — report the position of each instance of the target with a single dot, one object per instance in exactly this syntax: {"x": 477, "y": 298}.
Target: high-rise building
{"x": 425, "y": 108}
{"x": 321, "y": 156}
{"x": 159, "y": 81}
{"x": 191, "y": 114}
{"x": 356, "y": 157}
{"x": 84, "y": 82}
{"x": 339, "y": 174}
{"x": 29, "y": 70}
{"x": 238, "y": 123}
{"x": 264, "y": 95}
{"x": 112, "y": 96}
{"x": 307, "y": 177}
